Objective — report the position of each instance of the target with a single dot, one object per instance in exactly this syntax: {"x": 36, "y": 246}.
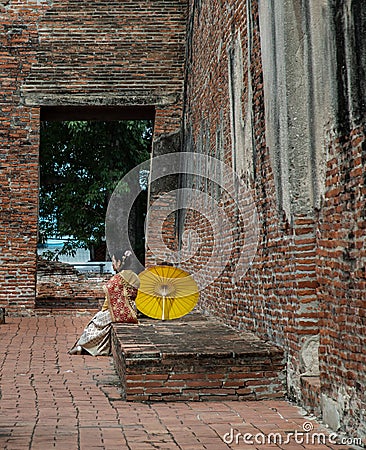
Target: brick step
{"x": 195, "y": 358}
{"x": 66, "y": 306}
{"x": 67, "y": 303}
{"x": 65, "y": 311}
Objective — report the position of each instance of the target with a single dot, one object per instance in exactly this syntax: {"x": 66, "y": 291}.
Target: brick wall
{"x": 308, "y": 183}
{"x": 341, "y": 235}
{"x": 75, "y": 54}
{"x": 61, "y": 288}
{"x": 277, "y": 296}
{"x": 342, "y": 281}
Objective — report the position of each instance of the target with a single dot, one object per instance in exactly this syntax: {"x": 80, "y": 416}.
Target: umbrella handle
{"x": 163, "y": 312}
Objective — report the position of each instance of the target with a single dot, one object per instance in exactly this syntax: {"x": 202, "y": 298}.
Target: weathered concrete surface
{"x": 298, "y": 93}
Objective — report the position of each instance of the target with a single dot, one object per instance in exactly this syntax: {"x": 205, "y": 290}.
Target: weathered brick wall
{"x": 122, "y": 51}
{"x": 76, "y": 54}
{"x": 61, "y": 288}
{"x": 342, "y": 282}
{"x": 19, "y": 128}
{"x": 277, "y": 296}
{"x": 341, "y": 261}
{"x": 288, "y": 84}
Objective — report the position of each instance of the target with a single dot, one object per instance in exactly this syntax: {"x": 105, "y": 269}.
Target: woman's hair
{"x": 122, "y": 259}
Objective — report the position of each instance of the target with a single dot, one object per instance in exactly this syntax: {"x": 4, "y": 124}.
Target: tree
{"x": 80, "y": 165}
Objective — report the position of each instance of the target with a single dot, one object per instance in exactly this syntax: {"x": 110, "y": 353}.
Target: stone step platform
{"x": 195, "y": 358}
{"x": 65, "y": 311}
{"x": 87, "y": 303}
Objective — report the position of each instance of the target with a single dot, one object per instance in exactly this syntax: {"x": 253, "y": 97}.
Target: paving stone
{"x": 64, "y": 405}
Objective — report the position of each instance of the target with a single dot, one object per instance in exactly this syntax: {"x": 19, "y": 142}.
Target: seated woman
{"x": 120, "y": 293}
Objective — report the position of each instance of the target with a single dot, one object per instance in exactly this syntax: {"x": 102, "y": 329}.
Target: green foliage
{"x": 80, "y": 165}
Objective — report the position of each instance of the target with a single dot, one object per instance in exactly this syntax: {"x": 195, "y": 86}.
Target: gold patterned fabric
{"x": 120, "y": 293}
{"x": 96, "y": 337}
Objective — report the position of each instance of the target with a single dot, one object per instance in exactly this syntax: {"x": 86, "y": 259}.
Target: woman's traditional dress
{"x": 120, "y": 293}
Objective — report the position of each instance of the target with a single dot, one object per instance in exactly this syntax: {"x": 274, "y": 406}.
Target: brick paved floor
{"x": 53, "y": 400}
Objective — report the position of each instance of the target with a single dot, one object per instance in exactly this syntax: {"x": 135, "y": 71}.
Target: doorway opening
{"x": 84, "y": 153}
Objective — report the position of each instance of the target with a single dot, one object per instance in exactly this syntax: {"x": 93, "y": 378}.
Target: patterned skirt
{"x": 96, "y": 337}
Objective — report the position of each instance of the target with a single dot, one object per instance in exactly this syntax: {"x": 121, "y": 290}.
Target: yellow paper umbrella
{"x": 166, "y": 292}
